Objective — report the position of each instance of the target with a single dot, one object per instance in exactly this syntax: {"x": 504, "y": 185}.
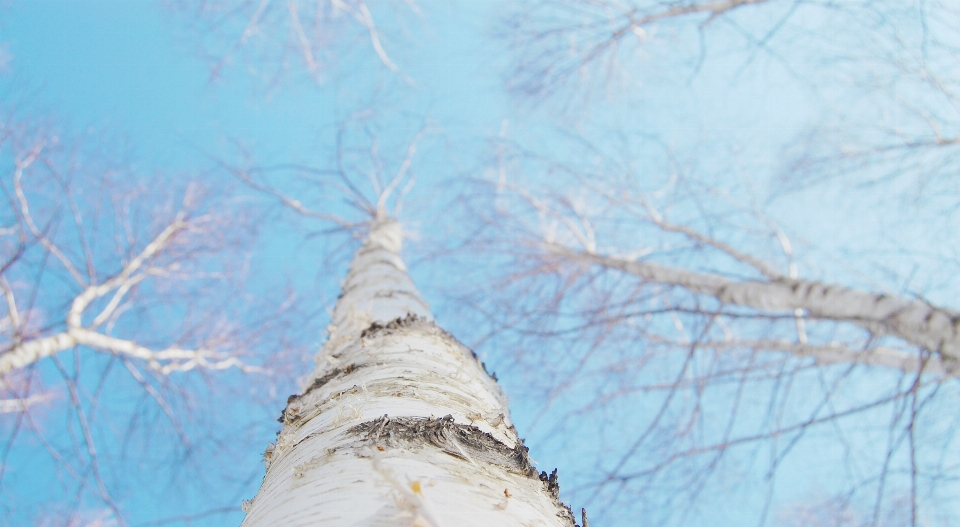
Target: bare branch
{"x": 125, "y": 277}
{"x": 295, "y": 205}
{"x": 764, "y": 268}
{"x": 21, "y": 167}
{"x": 558, "y": 39}
{"x": 164, "y": 361}
{"x": 304, "y": 42}
{"x": 9, "y": 406}
{"x": 920, "y": 323}
{"x": 401, "y": 172}
{"x": 837, "y": 353}
{"x": 255, "y": 29}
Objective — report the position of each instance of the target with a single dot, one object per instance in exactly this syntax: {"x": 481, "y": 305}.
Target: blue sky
{"x": 124, "y": 73}
{"x": 127, "y": 73}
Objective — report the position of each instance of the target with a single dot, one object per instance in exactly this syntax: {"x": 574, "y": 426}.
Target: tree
{"x": 635, "y": 276}
{"x": 726, "y": 280}
{"x": 399, "y": 423}
{"x": 743, "y": 366}
{"x": 118, "y": 308}
{"x": 657, "y": 253}
{"x": 594, "y": 42}
{"x": 317, "y": 33}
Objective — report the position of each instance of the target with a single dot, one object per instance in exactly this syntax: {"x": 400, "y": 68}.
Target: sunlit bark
{"x": 399, "y": 423}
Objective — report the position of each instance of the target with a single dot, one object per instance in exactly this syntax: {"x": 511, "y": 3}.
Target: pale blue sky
{"x": 127, "y": 69}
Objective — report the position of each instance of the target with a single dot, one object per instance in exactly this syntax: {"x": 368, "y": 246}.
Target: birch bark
{"x": 399, "y": 423}
{"x": 930, "y": 327}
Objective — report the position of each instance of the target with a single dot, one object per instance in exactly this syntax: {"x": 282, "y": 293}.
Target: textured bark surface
{"x": 399, "y": 424}
{"x": 920, "y": 323}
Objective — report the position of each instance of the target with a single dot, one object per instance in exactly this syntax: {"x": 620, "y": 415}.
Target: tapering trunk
{"x": 399, "y": 424}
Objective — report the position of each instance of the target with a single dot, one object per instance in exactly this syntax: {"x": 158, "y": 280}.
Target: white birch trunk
{"x": 400, "y": 424}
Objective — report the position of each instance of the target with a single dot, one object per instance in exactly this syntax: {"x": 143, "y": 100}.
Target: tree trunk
{"x": 399, "y": 423}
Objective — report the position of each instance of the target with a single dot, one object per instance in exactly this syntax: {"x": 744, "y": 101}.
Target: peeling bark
{"x": 399, "y": 424}
{"x": 463, "y": 441}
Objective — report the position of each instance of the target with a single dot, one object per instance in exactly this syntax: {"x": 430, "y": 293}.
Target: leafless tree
{"x": 656, "y": 271}
{"x": 890, "y": 98}
{"x": 589, "y": 44}
{"x": 370, "y": 172}
{"x": 119, "y": 316}
{"x": 582, "y": 49}
{"x": 272, "y": 38}
{"x": 687, "y": 298}
{"x": 684, "y": 301}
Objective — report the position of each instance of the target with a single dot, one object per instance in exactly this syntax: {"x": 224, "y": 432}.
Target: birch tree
{"x": 114, "y": 316}
{"x": 692, "y": 313}
{"x": 685, "y": 305}
{"x": 399, "y": 423}
{"x": 593, "y": 45}
{"x": 649, "y": 245}
{"x": 274, "y": 39}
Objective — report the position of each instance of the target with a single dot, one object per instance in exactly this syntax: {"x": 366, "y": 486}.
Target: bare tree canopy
{"x": 271, "y": 38}
{"x": 113, "y": 290}
{"x": 702, "y": 265}
{"x": 744, "y": 366}
{"x": 707, "y": 246}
